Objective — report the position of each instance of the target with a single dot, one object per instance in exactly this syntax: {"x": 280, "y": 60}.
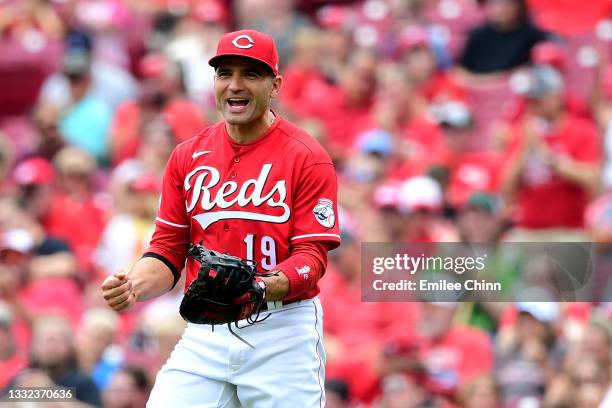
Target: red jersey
{"x": 255, "y": 200}
{"x": 545, "y": 199}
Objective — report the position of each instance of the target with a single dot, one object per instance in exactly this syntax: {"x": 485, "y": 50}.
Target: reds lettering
{"x": 230, "y": 194}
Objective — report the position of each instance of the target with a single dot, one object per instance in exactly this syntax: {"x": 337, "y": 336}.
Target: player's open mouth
{"x": 237, "y": 105}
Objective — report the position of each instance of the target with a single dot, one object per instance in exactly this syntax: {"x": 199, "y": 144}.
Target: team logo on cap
{"x": 324, "y": 213}
{"x": 243, "y": 41}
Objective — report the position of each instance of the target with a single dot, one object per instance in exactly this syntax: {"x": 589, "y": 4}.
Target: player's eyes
{"x": 223, "y": 74}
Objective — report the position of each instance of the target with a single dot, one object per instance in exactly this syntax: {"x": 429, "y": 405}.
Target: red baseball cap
{"x": 249, "y": 44}
{"x": 34, "y": 171}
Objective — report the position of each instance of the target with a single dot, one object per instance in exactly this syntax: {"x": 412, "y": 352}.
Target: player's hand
{"x": 118, "y": 292}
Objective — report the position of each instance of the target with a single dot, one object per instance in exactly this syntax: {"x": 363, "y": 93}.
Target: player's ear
{"x": 277, "y": 83}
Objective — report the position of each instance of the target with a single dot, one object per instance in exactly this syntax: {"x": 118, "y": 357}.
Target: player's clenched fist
{"x": 117, "y": 291}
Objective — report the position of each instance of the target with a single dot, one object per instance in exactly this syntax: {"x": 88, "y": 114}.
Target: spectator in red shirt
{"x": 160, "y": 96}
{"x": 304, "y": 84}
{"x": 553, "y": 163}
{"x": 419, "y": 62}
{"x": 470, "y": 170}
{"x": 452, "y": 355}
{"x": 76, "y": 205}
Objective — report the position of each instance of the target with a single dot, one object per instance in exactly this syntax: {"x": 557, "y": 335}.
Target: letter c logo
{"x": 243, "y": 44}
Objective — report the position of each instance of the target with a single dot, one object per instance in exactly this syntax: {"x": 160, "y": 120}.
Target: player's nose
{"x": 236, "y": 84}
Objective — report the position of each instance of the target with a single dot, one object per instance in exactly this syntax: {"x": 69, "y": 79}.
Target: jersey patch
{"x": 324, "y": 213}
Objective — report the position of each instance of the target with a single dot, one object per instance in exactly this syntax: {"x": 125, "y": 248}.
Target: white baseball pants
{"x": 210, "y": 369}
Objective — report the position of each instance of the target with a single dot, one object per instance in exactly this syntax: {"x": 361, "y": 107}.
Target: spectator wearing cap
{"x": 35, "y": 181}
{"x": 504, "y": 41}
{"x": 420, "y": 200}
{"x": 41, "y": 268}
{"x": 85, "y": 122}
{"x": 470, "y": 170}
{"x": 76, "y": 204}
{"x": 523, "y": 354}
{"x": 161, "y": 96}
{"x": 552, "y": 167}
{"x": 547, "y": 54}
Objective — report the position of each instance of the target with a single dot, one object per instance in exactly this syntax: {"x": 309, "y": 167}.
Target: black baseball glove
{"x": 226, "y": 290}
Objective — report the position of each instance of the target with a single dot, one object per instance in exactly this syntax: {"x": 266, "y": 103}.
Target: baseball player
{"x": 257, "y": 187}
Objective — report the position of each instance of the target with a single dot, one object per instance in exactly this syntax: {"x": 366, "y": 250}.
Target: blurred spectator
{"x": 192, "y": 42}
{"x": 30, "y": 21}
{"x": 49, "y": 139}
{"x": 98, "y": 355}
{"x": 160, "y": 96}
{"x": 127, "y": 233}
{"x": 281, "y": 20}
{"x": 482, "y": 392}
{"x": 451, "y": 355}
{"x": 504, "y": 41}
{"x": 129, "y": 388}
{"x": 420, "y": 202}
{"x": 551, "y": 54}
{"x": 110, "y": 83}
{"x": 419, "y": 61}
{"x": 479, "y": 220}
{"x": 86, "y": 120}
{"x": 470, "y": 170}
{"x": 603, "y": 113}
{"x": 553, "y": 162}
{"x": 6, "y": 165}
{"x": 303, "y": 79}
{"x": 336, "y": 394}
{"x": 11, "y": 359}
{"x": 76, "y": 204}
{"x": 35, "y": 180}
{"x": 523, "y": 363}
{"x": 346, "y": 109}
{"x": 53, "y": 353}
{"x": 404, "y": 391}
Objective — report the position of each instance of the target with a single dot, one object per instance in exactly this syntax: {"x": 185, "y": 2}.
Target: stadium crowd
{"x": 448, "y": 120}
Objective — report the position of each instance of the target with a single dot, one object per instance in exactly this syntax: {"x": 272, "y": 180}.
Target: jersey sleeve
{"x": 171, "y": 236}
{"x": 172, "y": 213}
{"x": 316, "y": 206}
